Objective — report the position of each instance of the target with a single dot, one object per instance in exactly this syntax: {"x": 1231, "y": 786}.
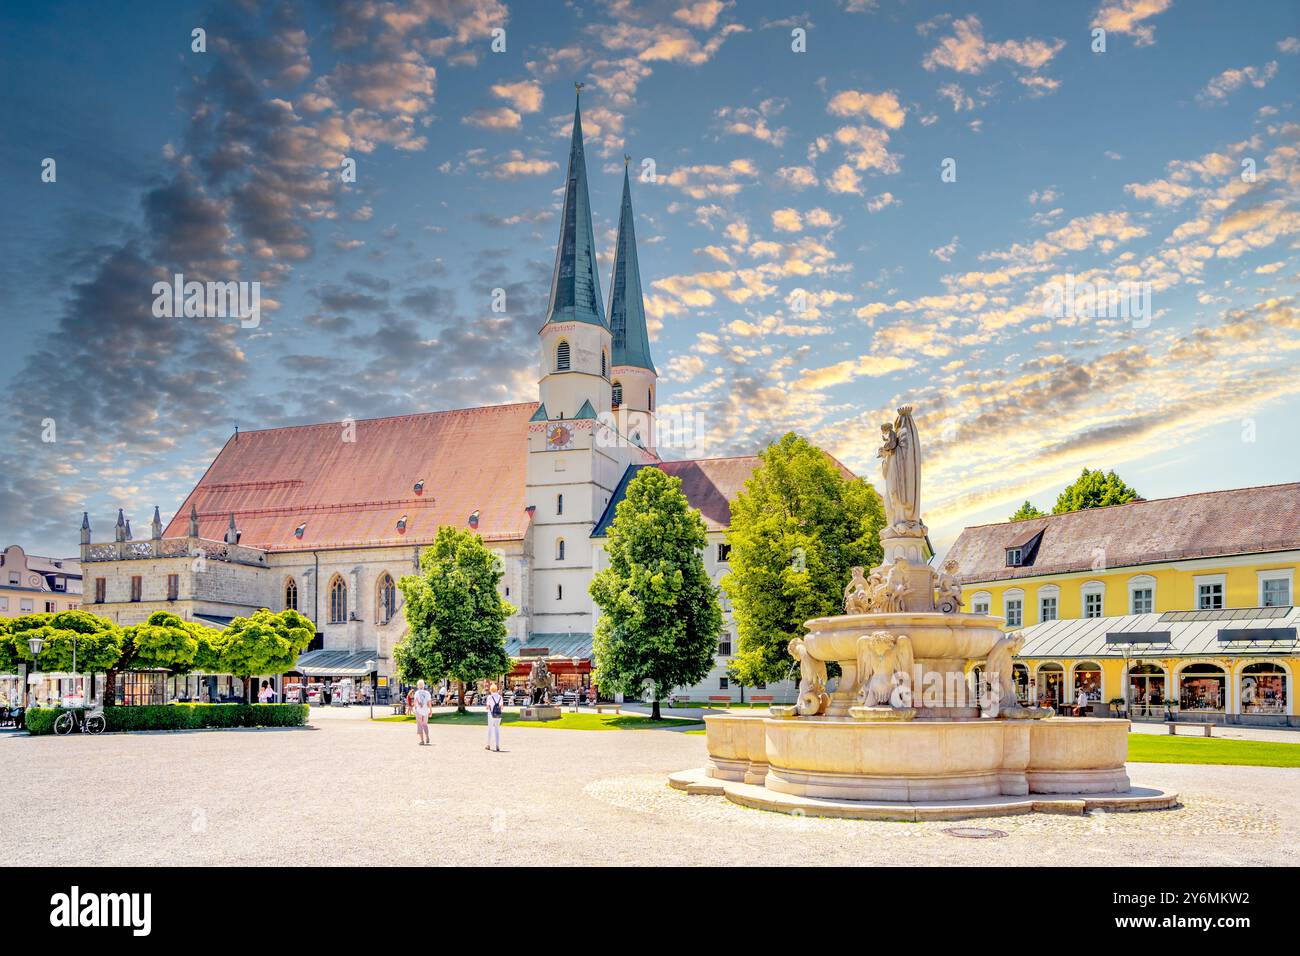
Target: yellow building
{"x": 1178, "y": 605}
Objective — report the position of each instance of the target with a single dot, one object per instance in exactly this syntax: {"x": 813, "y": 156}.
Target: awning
{"x": 567, "y": 646}
{"x": 1250, "y": 632}
{"x": 336, "y": 663}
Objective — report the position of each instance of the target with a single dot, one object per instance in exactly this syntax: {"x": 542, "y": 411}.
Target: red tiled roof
{"x": 354, "y": 493}
{"x": 711, "y": 483}
{"x": 1208, "y": 524}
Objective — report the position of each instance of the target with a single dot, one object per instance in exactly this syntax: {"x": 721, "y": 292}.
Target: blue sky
{"x": 805, "y": 264}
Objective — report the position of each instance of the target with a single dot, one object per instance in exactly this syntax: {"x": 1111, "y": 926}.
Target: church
{"x": 326, "y": 518}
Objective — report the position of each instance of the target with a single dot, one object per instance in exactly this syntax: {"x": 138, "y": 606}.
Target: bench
{"x": 1173, "y": 726}
{"x": 720, "y": 699}
{"x": 601, "y": 708}
{"x": 762, "y": 698}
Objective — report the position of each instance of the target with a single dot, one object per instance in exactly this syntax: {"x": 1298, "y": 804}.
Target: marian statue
{"x": 900, "y": 460}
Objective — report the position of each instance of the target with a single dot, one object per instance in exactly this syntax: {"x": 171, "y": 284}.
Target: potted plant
{"x": 1118, "y": 706}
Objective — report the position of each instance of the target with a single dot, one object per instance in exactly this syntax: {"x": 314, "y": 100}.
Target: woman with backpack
{"x": 494, "y": 709}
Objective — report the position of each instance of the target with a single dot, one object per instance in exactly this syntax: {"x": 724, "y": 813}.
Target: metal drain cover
{"x": 975, "y": 833}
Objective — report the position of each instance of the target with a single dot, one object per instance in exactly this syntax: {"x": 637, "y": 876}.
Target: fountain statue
{"x": 908, "y": 723}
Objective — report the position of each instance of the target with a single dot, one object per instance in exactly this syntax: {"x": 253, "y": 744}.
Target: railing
{"x": 173, "y": 548}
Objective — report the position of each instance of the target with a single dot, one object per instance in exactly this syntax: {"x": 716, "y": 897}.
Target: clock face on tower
{"x": 558, "y": 437}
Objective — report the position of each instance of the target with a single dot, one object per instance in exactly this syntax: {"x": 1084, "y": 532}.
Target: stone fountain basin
{"x": 934, "y": 635}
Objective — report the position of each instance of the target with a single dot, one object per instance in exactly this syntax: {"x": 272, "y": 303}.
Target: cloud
{"x": 966, "y": 50}
{"x": 515, "y": 164}
{"x": 1127, "y": 16}
{"x": 745, "y": 121}
{"x": 884, "y": 107}
{"x": 524, "y": 95}
{"x": 702, "y": 15}
{"x": 1229, "y": 81}
{"x": 498, "y": 118}
{"x": 703, "y": 181}
{"x": 797, "y": 177}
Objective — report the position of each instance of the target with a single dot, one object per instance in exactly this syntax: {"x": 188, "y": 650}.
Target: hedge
{"x": 40, "y": 720}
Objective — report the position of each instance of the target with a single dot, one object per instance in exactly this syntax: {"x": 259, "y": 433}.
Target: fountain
{"x": 910, "y": 732}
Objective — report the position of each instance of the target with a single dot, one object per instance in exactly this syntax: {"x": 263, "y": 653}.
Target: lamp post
{"x": 35, "y": 644}
{"x": 370, "y": 666}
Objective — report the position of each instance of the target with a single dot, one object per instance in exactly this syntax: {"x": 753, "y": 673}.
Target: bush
{"x": 40, "y": 720}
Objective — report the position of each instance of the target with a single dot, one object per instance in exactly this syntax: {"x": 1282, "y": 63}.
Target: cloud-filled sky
{"x": 882, "y": 216}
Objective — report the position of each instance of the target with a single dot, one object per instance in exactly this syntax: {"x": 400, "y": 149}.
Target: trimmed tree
{"x": 264, "y": 643}
{"x": 1092, "y": 489}
{"x": 797, "y": 529}
{"x": 455, "y": 614}
{"x": 660, "y": 618}
{"x": 94, "y": 642}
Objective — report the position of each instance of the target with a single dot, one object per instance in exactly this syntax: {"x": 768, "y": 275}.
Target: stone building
{"x": 326, "y": 518}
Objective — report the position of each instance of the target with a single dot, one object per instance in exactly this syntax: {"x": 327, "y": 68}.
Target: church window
{"x": 338, "y": 600}
{"x": 291, "y": 595}
{"x": 173, "y": 587}
{"x": 559, "y": 504}
{"x": 559, "y": 550}
{"x": 136, "y": 588}
{"x": 387, "y": 598}
{"x": 101, "y": 591}
{"x": 559, "y": 592}
{"x": 562, "y": 356}
{"x": 650, "y": 399}
{"x": 616, "y": 395}
{"x": 604, "y": 363}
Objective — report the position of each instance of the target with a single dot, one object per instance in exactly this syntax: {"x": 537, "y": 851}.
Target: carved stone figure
{"x": 884, "y": 663}
{"x": 900, "y": 461}
{"x": 949, "y": 600}
{"x": 998, "y": 673}
{"x": 813, "y": 699}
{"x": 540, "y": 682}
{"x": 894, "y": 589}
{"x": 857, "y": 594}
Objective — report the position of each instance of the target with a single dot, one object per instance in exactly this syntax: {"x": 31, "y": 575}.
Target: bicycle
{"x": 79, "y": 719}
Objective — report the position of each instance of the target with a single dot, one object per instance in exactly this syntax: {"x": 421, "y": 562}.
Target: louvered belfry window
{"x": 562, "y": 357}
{"x": 616, "y": 394}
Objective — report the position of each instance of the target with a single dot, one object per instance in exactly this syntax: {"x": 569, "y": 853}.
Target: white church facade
{"x": 326, "y": 518}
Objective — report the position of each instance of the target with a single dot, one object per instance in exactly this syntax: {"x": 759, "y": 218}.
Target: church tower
{"x": 633, "y": 379}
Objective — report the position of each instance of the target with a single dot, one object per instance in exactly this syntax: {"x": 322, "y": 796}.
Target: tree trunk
{"x": 110, "y": 687}
{"x": 654, "y": 710}
{"x": 460, "y": 697}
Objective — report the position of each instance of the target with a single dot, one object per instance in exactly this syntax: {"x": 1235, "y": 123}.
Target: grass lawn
{"x": 1152, "y": 748}
{"x": 704, "y": 703}
{"x": 567, "y": 721}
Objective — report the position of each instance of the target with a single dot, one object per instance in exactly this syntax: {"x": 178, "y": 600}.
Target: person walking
{"x": 423, "y": 702}
{"x": 494, "y": 709}
{"x": 266, "y": 695}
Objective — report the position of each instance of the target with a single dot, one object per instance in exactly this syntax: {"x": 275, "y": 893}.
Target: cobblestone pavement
{"x": 347, "y": 792}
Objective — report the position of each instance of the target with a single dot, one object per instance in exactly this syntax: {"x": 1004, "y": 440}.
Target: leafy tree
{"x": 9, "y": 659}
{"x": 797, "y": 530}
{"x": 660, "y": 618}
{"x": 1026, "y": 511}
{"x": 456, "y": 616}
{"x": 1092, "y": 489}
{"x": 98, "y": 641}
{"x": 264, "y": 643}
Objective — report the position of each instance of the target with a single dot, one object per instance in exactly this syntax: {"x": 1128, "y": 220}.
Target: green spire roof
{"x": 575, "y": 285}
{"x": 626, "y": 308}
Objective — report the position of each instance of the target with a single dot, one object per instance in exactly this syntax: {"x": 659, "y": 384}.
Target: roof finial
{"x": 627, "y": 160}
{"x": 577, "y": 87}
{"x": 85, "y": 527}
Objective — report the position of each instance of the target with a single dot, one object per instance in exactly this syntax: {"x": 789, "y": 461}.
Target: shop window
{"x": 1087, "y": 678}
{"x": 1051, "y": 684}
{"x": 1202, "y": 688}
{"x": 1146, "y": 690}
{"x": 1263, "y": 688}
{"x": 291, "y": 595}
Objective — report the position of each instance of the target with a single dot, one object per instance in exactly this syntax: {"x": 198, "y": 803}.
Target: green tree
{"x": 660, "y": 618}
{"x": 97, "y": 642}
{"x": 797, "y": 529}
{"x": 264, "y": 643}
{"x": 1026, "y": 511}
{"x": 455, "y": 615}
{"x": 1092, "y": 489}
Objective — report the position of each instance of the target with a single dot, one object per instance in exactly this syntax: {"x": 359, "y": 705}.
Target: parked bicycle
{"x": 91, "y": 722}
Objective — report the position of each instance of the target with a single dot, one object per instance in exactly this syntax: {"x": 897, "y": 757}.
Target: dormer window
{"x": 1015, "y": 557}
{"x": 299, "y": 531}
{"x": 401, "y": 525}
{"x": 419, "y": 487}
{"x": 473, "y": 519}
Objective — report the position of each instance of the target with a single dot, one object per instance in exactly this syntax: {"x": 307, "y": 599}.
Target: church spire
{"x": 631, "y": 338}
{"x": 575, "y": 284}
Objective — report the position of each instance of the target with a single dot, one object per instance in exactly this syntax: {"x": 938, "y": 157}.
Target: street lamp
{"x": 35, "y": 644}
{"x": 370, "y": 666}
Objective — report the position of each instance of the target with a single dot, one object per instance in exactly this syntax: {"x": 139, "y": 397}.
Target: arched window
{"x": 387, "y": 603}
{"x": 338, "y": 600}
{"x": 562, "y": 356}
{"x": 1202, "y": 688}
{"x": 1013, "y": 607}
{"x": 559, "y": 504}
{"x": 1049, "y": 603}
{"x": 981, "y": 602}
{"x": 559, "y": 549}
{"x": 1146, "y": 689}
{"x": 1051, "y": 684}
{"x": 1093, "y": 599}
{"x": 290, "y": 595}
{"x": 1087, "y": 678}
{"x": 616, "y": 395}
{"x": 1263, "y": 688}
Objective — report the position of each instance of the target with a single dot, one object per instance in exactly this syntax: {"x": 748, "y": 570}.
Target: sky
{"x": 841, "y": 207}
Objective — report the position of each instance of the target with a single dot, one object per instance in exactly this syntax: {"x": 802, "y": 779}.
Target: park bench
{"x": 677, "y": 700}
{"x": 601, "y": 708}
{"x": 1173, "y": 726}
{"x": 762, "y": 699}
{"x": 720, "y": 699}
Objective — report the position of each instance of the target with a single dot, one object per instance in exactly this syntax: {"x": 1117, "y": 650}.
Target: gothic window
{"x": 562, "y": 356}
{"x": 291, "y": 595}
{"x": 338, "y": 600}
{"x": 387, "y": 598}
{"x": 559, "y": 504}
{"x": 559, "y": 549}
{"x": 616, "y": 395}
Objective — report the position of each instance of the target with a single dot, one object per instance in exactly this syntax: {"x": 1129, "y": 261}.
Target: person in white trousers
{"x": 495, "y": 706}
